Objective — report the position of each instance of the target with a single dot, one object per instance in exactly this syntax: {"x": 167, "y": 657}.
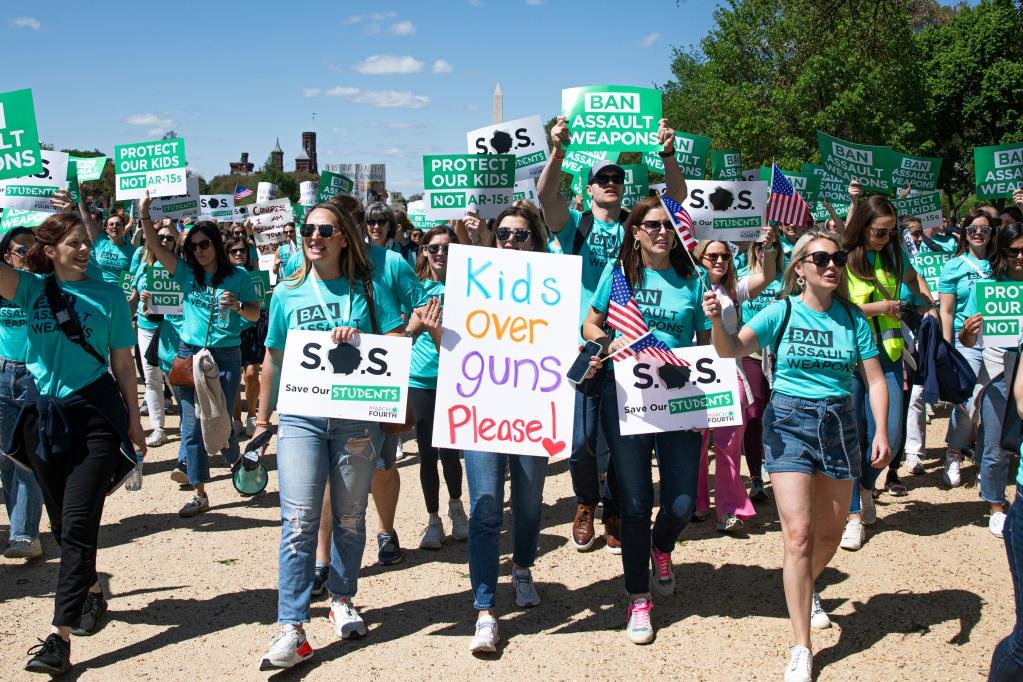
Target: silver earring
{"x": 801, "y": 281}
{"x": 635, "y": 243}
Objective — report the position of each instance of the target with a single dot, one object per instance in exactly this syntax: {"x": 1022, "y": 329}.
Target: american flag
{"x": 681, "y": 219}
{"x": 785, "y": 205}
{"x": 624, "y": 315}
{"x": 241, "y": 191}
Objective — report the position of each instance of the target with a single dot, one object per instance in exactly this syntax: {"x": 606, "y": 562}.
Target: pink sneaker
{"x": 663, "y": 572}
{"x": 637, "y": 625}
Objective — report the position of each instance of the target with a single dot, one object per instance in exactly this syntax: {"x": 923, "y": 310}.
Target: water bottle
{"x": 223, "y": 316}
{"x": 134, "y": 480}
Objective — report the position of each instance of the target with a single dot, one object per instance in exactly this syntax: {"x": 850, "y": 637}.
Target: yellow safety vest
{"x": 887, "y": 329}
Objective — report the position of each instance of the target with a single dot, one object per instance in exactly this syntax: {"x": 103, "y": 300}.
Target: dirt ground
{"x": 927, "y": 598}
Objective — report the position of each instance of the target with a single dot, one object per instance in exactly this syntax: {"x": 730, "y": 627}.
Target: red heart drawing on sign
{"x": 552, "y": 447}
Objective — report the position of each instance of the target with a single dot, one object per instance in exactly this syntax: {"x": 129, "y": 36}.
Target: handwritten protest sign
{"x": 690, "y": 153}
{"x": 166, "y": 294}
{"x": 33, "y": 193}
{"x": 654, "y": 397}
{"x": 366, "y": 379}
{"x": 523, "y": 137}
{"x": 268, "y": 220}
{"x": 726, "y": 164}
{"x": 614, "y": 118}
{"x": 265, "y": 192}
{"x": 333, "y": 184}
{"x": 998, "y": 170}
{"x": 90, "y": 168}
{"x": 727, "y": 210}
{"x": 19, "y": 137}
{"x": 456, "y": 183}
{"x": 178, "y": 207}
{"x": 158, "y": 167}
{"x": 1001, "y": 304}
{"x": 919, "y": 171}
{"x": 929, "y": 266}
{"x": 307, "y": 190}
{"x": 925, "y": 206}
{"x": 510, "y": 333}
{"x": 218, "y": 206}
{"x": 871, "y": 165}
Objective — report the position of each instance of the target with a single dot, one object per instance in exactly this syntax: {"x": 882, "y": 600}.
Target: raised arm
{"x": 167, "y": 258}
{"x": 91, "y": 228}
{"x": 555, "y": 211}
{"x": 758, "y": 280}
{"x": 727, "y": 345}
{"x": 673, "y": 180}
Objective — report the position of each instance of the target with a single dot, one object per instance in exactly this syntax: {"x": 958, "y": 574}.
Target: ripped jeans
{"x": 311, "y": 451}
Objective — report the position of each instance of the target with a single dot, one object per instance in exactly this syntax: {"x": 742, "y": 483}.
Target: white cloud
{"x": 442, "y": 66}
{"x": 650, "y": 39}
{"x": 379, "y": 64}
{"x": 376, "y": 16}
{"x": 311, "y": 92}
{"x": 27, "y": 22}
{"x": 380, "y": 98}
{"x": 403, "y": 28}
{"x": 148, "y": 119}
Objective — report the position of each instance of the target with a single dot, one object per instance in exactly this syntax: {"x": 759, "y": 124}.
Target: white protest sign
{"x": 525, "y": 190}
{"x": 307, "y": 193}
{"x": 166, "y": 296}
{"x": 370, "y": 179}
{"x": 456, "y": 183}
{"x": 241, "y": 213}
{"x": 219, "y": 206}
{"x": 266, "y": 263}
{"x": 417, "y": 216}
{"x": 266, "y": 191}
{"x": 654, "y": 397}
{"x": 154, "y": 167}
{"x": 178, "y": 207}
{"x": 729, "y": 210}
{"x": 365, "y": 380}
{"x": 32, "y": 193}
{"x": 268, "y": 220}
{"x": 510, "y": 334}
{"x": 523, "y": 137}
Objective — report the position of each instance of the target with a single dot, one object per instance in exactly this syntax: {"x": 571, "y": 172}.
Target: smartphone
{"x": 581, "y": 365}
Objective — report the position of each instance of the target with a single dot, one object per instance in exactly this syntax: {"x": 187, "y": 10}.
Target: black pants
{"x": 423, "y": 400}
{"x": 74, "y": 486}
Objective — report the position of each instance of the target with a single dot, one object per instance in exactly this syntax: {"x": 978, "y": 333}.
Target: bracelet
{"x": 146, "y": 217}
{"x": 665, "y": 155}
{"x": 262, "y": 423}
{"x": 412, "y": 335}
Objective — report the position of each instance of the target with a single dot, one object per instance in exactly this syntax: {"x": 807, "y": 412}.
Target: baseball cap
{"x": 602, "y": 166}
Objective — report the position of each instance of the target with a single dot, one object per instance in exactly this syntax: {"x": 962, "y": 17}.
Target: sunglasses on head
{"x": 325, "y": 231}
{"x": 505, "y": 233}
{"x": 1009, "y": 251}
{"x": 200, "y": 245}
{"x": 978, "y": 229}
{"x": 822, "y": 258}
{"x": 654, "y": 226}
{"x": 237, "y": 252}
{"x": 603, "y": 180}
{"x": 439, "y": 248}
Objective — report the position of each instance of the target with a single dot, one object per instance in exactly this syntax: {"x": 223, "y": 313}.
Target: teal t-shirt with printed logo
{"x": 600, "y": 248}
{"x": 958, "y": 277}
{"x": 819, "y": 350}
{"x": 60, "y": 366}
{"x": 672, "y": 305}
{"x": 13, "y": 332}
{"x": 112, "y": 259}
{"x": 423, "y": 372}
{"x": 298, "y": 307}
{"x": 766, "y": 297}
{"x": 200, "y": 298}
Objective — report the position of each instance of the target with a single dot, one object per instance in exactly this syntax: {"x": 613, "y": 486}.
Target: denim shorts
{"x": 807, "y": 436}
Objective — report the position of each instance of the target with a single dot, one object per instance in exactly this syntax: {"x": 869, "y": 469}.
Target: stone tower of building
{"x": 277, "y": 156}
{"x": 497, "y": 112}
{"x": 306, "y": 160}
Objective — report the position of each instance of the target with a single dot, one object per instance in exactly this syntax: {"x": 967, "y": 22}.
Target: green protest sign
{"x": 926, "y": 206}
{"x": 998, "y": 170}
{"x": 166, "y": 296}
{"x": 158, "y": 167}
{"x": 1001, "y": 304}
{"x": 456, "y": 183}
{"x": 89, "y": 169}
{"x": 261, "y": 283}
{"x": 19, "y": 138}
{"x": 820, "y": 214}
{"x": 725, "y": 164}
{"x": 920, "y": 171}
{"x": 16, "y": 217}
{"x": 612, "y": 117}
{"x": 871, "y": 165}
{"x": 333, "y": 184}
{"x": 579, "y": 163}
{"x": 929, "y": 266}
{"x": 298, "y": 214}
{"x": 124, "y": 280}
{"x": 690, "y": 153}
{"x": 807, "y": 184}
{"x": 832, "y": 188}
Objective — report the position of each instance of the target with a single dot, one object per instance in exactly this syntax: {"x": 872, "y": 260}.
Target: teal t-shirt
{"x": 13, "y": 332}
{"x": 200, "y": 299}
{"x": 766, "y": 297}
{"x": 291, "y": 258}
{"x": 396, "y": 289}
{"x": 298, "y": 307}
{"x": 958, "y": 277}
{"x": 423, "y": 373}
{"x": 601, "y": 247}
{"x": 819, "y": 350}
{"x": 60, "y": 366}
{"x": 112, "y": 259}
{"x": 136, "y": 260}
{"x": 944, "y": 244}
{"x": 672, "y": 305}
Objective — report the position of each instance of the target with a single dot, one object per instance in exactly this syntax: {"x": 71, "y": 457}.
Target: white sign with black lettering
{"x": 727, "y": 210}
{"x": 178, "y": 207}
{"x": 219, "y": 206}
{"x": 268, "y": 220}
{"x": 523, "y": 137}
{"x": 654, "y": 397}
{"x": 366, "y": 379}
{"x": 33, "y": 192}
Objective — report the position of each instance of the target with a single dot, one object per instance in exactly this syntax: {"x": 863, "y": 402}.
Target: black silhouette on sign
{"x": 674, "y": 376}
{"x": 721, "y": 199}
{"x": 345, "y": 358}
{"x": 501, "y": 142}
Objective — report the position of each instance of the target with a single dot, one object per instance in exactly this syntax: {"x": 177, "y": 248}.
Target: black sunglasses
{"x": 653, "y": 227}
{"x": 715, "y": 257}
{"x": 200, "y": 246}
{"x": 822, "y": 258}
{"x": 325, "y": 231}
{"x": 440, "y": 248}
{"x": 603, "y": 180}
{"x": 20, "y": 250}
{"x": 240, "y": 252}
{"x": 505, "y": 233}
{"x": 378, "y": 222}
{"x": 1009, "y": 251}
{"x": 166, "y": 237}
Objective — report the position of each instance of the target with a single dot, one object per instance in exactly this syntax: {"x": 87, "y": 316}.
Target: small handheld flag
{"x": 785, "y": 205}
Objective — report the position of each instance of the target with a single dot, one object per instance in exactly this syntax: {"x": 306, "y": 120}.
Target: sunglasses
{"x": 883, "y": 232}
{"x": 382, "y": 223}
{"x": 978, "y": 229}
{"x": 1009, "y": 251}
{"x": 166, "y": 237}
{"x": 325, "y": 231}
{"x": 20, "y": 250}
{"x": 604, "y": 180}
{"x": 916, "y": 235}
{"x": 201, "y": 245}
{"x": 654, "y": 226}
{"x": 442, "y": 248}
{"x": 505, "y": 233}
{"x": 822, "y": 258}
{"x": 715, "y": 257}
{"x": 237, "y": 252}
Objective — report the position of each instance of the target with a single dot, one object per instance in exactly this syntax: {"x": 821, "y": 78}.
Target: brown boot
{"x": 582, "y": 527}
{"x": 612, "y": 535}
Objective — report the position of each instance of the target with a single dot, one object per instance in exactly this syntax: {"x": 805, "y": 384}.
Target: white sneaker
{"x": 433, "y": 534}
{"x": 288, "y": 647}
{"x": 23, "y": 548}
{"x": 638, "y": 626}
{"x": 818, "y": 616}
{"x": 459, "y": 521}
{"x": 157, "y": 438}
{"x": 996, "y": 524}
{"x": 868, "y": 510}
{"x": 347, "y": 621}
{"x": 525, "y": 591}
{"x": 800, "y": 668}
{"x": 951, "y": 477}
{"x": 914, "y": 464}
{"x": 250, "y": 426}
{"x": 400, "y": 453}
{"x": 853, "y": 536}
{"x": 486, "y": 639}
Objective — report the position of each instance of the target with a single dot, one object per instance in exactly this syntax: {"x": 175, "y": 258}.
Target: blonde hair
{"x": 355, "y": 263}
{"x": 790, "y": 279}
{"x": 731, "y": 280}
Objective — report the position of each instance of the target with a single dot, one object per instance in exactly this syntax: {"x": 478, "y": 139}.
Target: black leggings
{"x": 74, "y": 486}
{"x": 423, "y": 400}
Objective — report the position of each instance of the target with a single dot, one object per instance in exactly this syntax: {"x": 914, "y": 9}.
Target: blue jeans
{"x": 994, "y": 459}
{"x": 22, "y": 497}
{"x": 591, "y": 457}
{"x": 311, "y": 451}
{"x": 1007, "y": 661}
{"x": 192, "y": 451}
{"x": 678, "y": 460}
{"x": 484, "y": 472}
{"x": 960, "y": 427}
{"x": 893, "y": 378}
